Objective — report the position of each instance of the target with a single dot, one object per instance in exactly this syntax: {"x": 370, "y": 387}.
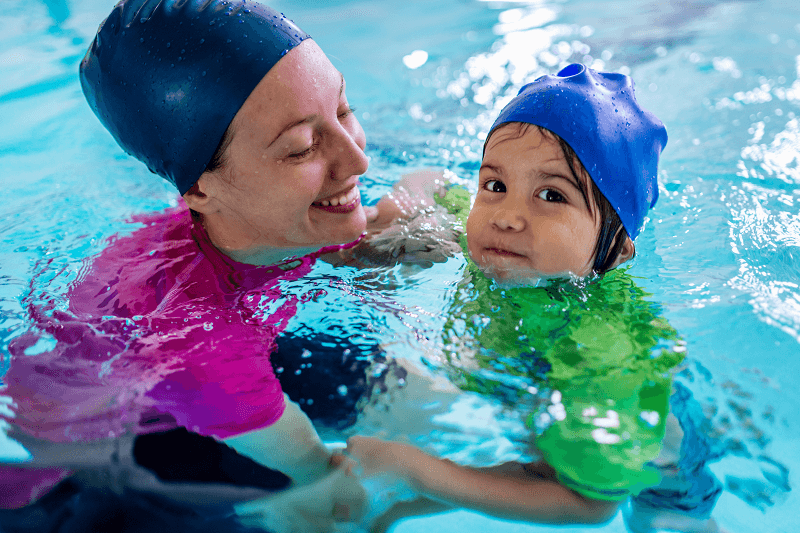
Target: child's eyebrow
{"x": 495, "y": 168}
{"x": 498, "y": 169}
{"x": 559, "y": 175}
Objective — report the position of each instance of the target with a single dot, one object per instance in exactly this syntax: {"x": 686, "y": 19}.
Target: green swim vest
{"x": 590, "y": 362}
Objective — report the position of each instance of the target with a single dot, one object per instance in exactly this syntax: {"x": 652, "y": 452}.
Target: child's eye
{"x": 495, "y": 186}
{"x": 550, "y": 195}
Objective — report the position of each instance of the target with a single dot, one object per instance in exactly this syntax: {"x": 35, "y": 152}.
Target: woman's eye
{"x": 549, "y": 195}
{"x": 495, "y": 186}
{"x": 303, "y": 153}
{"x": 299, "y": 155}
{"x": 347, "y": 112}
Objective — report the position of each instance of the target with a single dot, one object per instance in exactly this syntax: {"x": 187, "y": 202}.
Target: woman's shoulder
{"x": 134, "y": 268}
{"x": 171, "y": 226}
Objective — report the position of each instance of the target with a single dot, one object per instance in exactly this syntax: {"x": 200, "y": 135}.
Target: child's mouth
{"x": 503, "y": 253}
{"x": 340, "y": 203}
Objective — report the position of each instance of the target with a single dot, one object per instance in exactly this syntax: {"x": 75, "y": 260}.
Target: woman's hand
{"x": 412, "y": 193}
{"x": 314, "y": 508}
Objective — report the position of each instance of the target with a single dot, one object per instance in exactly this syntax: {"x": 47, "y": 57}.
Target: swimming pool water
{"x": 720, "y": 252}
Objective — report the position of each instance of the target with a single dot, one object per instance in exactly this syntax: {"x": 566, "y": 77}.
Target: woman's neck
{"x": 252, "y": 254}
{"x": 264, "y": 256}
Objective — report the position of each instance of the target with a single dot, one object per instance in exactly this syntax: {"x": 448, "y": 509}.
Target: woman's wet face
{"x": 290, "y": 173}
{"x": 530, "y": 218}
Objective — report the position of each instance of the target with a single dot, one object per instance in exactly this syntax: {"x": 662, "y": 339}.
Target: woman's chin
{"x": 341, "y": 228}
{"x": 344, "y": 238}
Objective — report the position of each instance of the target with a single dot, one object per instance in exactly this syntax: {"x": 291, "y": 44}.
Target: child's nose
{"x": 509, "y": 220}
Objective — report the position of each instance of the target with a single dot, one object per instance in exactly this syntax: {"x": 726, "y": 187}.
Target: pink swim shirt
{"x": 162, "y": 331}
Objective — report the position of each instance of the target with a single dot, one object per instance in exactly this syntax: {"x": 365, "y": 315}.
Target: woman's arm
{"x": 412, "y": 193}
{"x": 324, "y": 490}
{"x": 406, "y": 226}
{"x": 290, "y": 445}
{"x": 510, "y": 491}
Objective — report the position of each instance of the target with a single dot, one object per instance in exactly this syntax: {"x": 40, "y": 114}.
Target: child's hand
{"x": 375, "y": 456}
{"x": 339, "y": 460}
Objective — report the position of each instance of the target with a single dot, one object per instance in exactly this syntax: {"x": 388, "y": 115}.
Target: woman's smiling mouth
{"x": 340, "y": 203}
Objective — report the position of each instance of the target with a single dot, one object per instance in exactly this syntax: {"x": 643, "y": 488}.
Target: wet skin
{"x": 289, "y": 182}
{"x": 530, "y": 219}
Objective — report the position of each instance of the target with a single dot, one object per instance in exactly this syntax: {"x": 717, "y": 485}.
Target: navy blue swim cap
{"x": 166, "y": 77}
{"x": 616, "y": 140}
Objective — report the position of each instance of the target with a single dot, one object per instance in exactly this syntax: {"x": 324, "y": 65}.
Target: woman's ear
{"x": 626, "y": 253}
{"x": 200, "y": 197}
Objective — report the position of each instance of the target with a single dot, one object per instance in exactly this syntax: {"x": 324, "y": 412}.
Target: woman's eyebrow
{"x": 309, "y": 118}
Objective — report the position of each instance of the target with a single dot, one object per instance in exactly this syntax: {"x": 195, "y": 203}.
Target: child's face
{"x": 530, "y": 218}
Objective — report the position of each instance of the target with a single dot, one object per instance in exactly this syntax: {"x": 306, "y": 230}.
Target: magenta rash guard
{"x": 162, "y": 331}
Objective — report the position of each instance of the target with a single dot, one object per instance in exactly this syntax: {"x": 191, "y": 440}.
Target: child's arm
{"x": 511, "y": 491}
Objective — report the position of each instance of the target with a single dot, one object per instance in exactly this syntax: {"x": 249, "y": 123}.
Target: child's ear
{"x": 200, "y": 197}
{"x": 627, "y": 252}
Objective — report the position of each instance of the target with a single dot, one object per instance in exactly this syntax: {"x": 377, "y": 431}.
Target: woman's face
{"x": 530, "y": 218}
{"x": 290, "y": 173}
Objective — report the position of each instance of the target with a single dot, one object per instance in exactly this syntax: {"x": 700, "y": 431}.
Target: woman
{"x": 171, "y": 327}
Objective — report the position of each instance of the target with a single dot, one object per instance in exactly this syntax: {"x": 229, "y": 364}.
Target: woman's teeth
{"x": 344, "y": 199}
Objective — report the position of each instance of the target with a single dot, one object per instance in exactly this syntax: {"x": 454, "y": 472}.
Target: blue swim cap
{"x": 166, "y": 77}
{"x": 616, "y": 140}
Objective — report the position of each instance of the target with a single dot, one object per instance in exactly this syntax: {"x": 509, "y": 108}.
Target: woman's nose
{"x": 347, "y": 152}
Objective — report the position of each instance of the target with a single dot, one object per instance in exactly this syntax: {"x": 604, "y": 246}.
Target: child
{"x": 568, "y": 175}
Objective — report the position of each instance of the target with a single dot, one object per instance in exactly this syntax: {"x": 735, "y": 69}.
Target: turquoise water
{"x": 721, "y": 251}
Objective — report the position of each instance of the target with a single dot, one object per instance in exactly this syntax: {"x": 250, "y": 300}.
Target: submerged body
{"x": 567, "y": 177}
{"x": 163, "y": 331}
{"x": 588, "y": 365}
{"x": 172, "y": 326}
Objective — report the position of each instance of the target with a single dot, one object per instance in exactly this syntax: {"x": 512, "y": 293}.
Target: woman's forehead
{"x": 300, "y": 86}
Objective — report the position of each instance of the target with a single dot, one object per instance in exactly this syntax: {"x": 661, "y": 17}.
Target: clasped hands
{"x": 360, "y": 487}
